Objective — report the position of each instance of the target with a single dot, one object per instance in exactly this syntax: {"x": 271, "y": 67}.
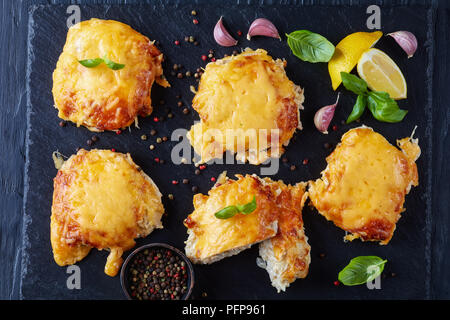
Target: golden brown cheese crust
{"x": 287, "y": 255}
{"x": 101, "y": 199}
{"x": 100, "y": 98}
{"x": 210, "y": 237}
{"x": 363, "y": 188}
{"x": 246, "y": 91}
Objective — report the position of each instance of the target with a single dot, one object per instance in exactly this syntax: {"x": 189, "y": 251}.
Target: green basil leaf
{"x": 361, "y": 270}
{"x": 384, "y": 108}
{"x": 248, "y": 207}
{"x": 358, "y": 108}
{"x": 309, "y": 46}
{"x": 353, "y": 83}
{"x": 113, "y": 65}
{"x": 91, "y": 63}
{"x": 227, "y": 212}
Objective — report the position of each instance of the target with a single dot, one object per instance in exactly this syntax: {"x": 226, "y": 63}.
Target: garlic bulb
{"x": 324, "y": 115}
{"x": 406, "y": 40}
{"x": 222, "y": 36}
{"x": 262, "y": 27}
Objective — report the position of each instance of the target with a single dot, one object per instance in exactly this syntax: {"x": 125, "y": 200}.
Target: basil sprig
{"x": 231, "y": 211}
{"x": 309, "y": 46}
{"x": 92, "y": 63}
{"x": 380, "y": 104}
{"x": 361, "y": 270}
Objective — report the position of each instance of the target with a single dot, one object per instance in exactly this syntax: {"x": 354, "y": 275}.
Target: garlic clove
{"x": 406, "y": 40}
{"x": 324, "y": 115}
{"x": 263, "y": 27}
{"x": 222, "y": 36}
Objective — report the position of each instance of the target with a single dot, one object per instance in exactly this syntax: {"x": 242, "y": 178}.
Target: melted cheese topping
{"x": 103, "y": 200}
{"x": 364, "y": 186}
{"x": 101, "y": 98}
{"x": 247, "y": 91}
{"x": 210, "y": 236}
{"x": 287, "y": 255}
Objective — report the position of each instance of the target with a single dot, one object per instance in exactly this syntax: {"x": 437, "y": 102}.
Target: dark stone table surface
{"x": 13, "y": 48}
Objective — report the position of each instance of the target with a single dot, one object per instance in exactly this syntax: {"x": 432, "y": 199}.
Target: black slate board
{"x": 235, "y": 277}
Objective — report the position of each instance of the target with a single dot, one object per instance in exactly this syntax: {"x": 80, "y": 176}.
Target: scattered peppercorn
{"x": 204, "y": 295}
{"x": 161, "y": 161}
{"x": 170, "y": 115}
{"x": 185, "y": 111}
{"x": 284, "y": 160}
{"x": 185, "y": 181}
{"x": 164, "y": 138}
{"x": 95, "y": 138}
{"x": 180, "y": 103}
{"x": 153, "y": 132}
{"x": 327, "y": 145}
{"x": 197, "y": 172}
{"x": 179, "y": 75}
{"x": 293, "y": 167}
{"x": 170, "y": 196}
{"x": 89, "y": 142}
{"x": 196, "y": 43}
{"x": 155, "y": 274}
{"x": 322, "y": 255}
{"x": 186, "y": 38}
{"x": 194, "y": 189}
{"x": 161, "y": 102}
{"x": 188, "y": 73}
{"x": 62, "y": 124}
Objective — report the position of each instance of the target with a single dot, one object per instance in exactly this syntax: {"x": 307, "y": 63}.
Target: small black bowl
{"x": 124, "y": 271}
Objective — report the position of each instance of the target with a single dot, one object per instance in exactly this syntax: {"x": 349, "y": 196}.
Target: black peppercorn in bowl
{"x": 157, "y": 271}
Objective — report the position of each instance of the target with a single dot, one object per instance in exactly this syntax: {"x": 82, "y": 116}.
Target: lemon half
{"x": 382, "y": 74}
{"x": 347, "y": 53}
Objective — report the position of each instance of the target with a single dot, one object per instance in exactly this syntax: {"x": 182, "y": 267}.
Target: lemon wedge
{"x": 348, "y": 52}
{"x": 382, "y": 74}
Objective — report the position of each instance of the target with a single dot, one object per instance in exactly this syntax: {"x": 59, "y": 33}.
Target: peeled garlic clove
{"x": 262, "y": 27}
{"x": 406, "y": 40}
{"x": 222, "y": 36}
{"x": 324, "y": 115}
